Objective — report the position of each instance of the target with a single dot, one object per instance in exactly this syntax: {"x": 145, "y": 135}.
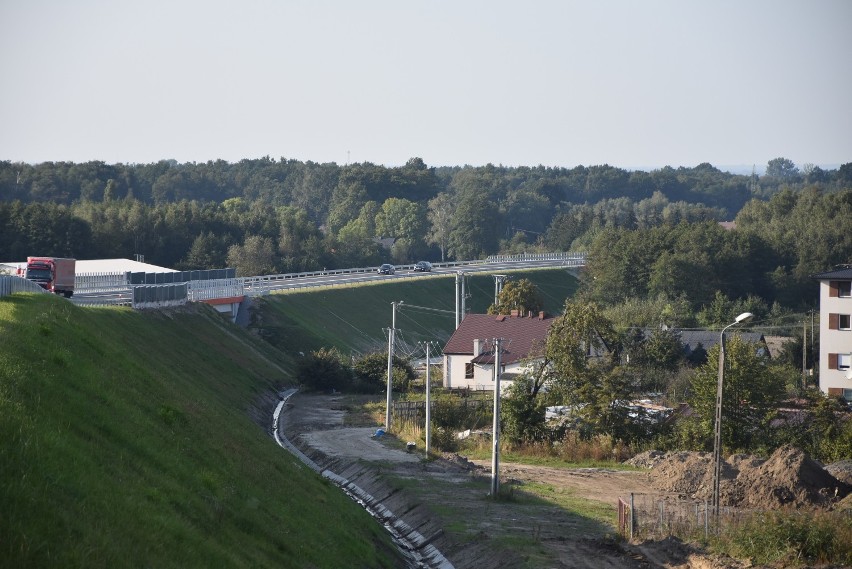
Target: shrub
{"x": 324, "y": 370}
{"x": 372, "y": 372}
{"x": 791, "y": 537}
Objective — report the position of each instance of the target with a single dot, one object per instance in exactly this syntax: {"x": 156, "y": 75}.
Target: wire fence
{"x": 657, "y": 516}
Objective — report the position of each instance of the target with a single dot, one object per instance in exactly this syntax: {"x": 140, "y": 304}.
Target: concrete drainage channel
{"x": 416, "y": 549}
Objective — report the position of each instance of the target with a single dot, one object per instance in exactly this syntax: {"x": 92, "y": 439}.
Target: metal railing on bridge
{"x": 12, "y": 284}
{"x": 223, "y": 283}
{"x": 569, "y": 259}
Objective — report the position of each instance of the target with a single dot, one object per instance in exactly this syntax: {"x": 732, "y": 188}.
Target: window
{"x": 844, "y": 361}
{"x": 844, "y": 322}
{"x": 468, "y": 370}
{"x": 844, "y": 288}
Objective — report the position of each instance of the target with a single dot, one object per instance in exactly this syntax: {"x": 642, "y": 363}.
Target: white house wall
{"x": 833, "y": 341}
{"x": 483, "y": 376}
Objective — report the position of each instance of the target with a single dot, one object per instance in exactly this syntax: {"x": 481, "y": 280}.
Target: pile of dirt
{"x": 788, "y": 478}
{"x": 647, "y": 459}
{"x": 689, "y": 473}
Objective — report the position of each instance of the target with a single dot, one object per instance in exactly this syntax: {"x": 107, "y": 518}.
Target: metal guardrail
{"x": 123, "y": 292}
{"x": 159, "y": 296}
{"x": 13, "y": 284}
{"x": 213, "y": 289}
{"x": 574, "y": 259}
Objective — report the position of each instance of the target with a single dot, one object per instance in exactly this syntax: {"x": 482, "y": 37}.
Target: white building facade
{"x": 835, "y": 332}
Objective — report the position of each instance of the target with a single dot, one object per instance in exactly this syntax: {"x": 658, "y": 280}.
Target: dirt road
{"x": 447, "y": 499}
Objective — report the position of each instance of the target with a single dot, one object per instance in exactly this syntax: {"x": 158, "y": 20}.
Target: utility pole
{"x": 495, "y": 435}
{"x": 804, "y": 354}
{"x": 428, "y": 402}
{"x": 498, "y": 287}
{"x": 391, "y": 337}
{"x": 463, "y": 299}
{"x": 459, "y": 297}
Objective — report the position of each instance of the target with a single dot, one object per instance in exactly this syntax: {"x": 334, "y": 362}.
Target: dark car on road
{"x": 386, "y": 269}
{"x": 423, "y": 266}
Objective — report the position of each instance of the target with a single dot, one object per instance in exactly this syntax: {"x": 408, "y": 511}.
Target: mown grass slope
{"x": 355, "y": 319}
{"x": 139, "y": 439}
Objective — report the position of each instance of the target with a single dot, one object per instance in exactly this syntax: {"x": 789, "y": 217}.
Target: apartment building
{"x": 835, "y": 331}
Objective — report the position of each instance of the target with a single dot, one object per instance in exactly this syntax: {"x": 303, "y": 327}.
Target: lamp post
{"x": 717, "y": 425}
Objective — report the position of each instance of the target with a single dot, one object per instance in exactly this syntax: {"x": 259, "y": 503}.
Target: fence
{"x": 220, "y": 288}
{"x": 11, "y": 284}
{"x": 414, "y": 410}
{"x": 656, "y": 516}
{"x": 175, "y": 277}
{"x": 98, "y": 282}
{"x": 224, "y": 284}
{"x": 571, "y": 259}
{"x": 158, "y": 296}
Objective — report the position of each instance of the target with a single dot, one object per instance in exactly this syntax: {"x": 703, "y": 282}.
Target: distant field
{"x": 355, "y": 319}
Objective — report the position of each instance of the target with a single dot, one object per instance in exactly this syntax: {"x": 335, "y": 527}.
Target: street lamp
{"x": 717, "y": 427}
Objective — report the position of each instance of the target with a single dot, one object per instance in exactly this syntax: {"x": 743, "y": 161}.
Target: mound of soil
{"x": 647, "y": 459}
{"x": 788, "y": 478}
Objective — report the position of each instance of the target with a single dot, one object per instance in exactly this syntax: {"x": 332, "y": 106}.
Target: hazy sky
{"x": 560, "y": 83}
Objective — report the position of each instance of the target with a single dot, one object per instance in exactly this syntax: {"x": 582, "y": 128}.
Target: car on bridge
{"x": 386, "y": 269}
{"x": 422, "y": 267}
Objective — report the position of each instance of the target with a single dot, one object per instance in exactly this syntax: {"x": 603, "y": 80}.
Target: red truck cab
{"x": 52, "y": 274}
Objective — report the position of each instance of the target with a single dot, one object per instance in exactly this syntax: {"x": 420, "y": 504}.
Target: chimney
{"x": 477, "y": 347}
{"x": 541, "y": 315}
{"x": 515, "y": 313}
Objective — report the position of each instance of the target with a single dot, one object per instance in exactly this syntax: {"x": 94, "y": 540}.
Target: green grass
{"x": 354, "y": 319}
{"x": 132, "y": 439}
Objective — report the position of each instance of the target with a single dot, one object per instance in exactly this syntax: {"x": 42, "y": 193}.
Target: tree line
{"x": 650, "y": 234}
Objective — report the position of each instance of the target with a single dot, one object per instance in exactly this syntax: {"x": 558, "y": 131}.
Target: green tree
{"x": 346, "y": 204}
{"x": 440, "y": 216}
{"x": 523, "y": 412}
{"x": 324, "y": 370}
{"x": 523, "y": 296}
{"x": 476, "y": 226}
{"x": 781, "y": 168}
{"x": 207, "y": 252}
{"x": 403, "y": 220}
{"x": 372, "y": 372}
{"x": 577, "y": 350}
{"x": 752, "y": 393}
{"x": 255, "y": 257}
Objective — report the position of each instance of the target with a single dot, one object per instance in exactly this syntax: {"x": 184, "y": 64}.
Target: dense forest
{"x": 650, "y": 234}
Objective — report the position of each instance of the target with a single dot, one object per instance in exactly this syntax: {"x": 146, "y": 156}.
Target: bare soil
{"x": 446, "y": 499}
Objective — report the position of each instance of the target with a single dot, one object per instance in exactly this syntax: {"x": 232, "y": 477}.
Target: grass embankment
{"x": 127, "y": 440}
{"x": 355, "y": 319}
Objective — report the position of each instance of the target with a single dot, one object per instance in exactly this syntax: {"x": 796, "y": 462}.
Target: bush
{"x": 372, "y": 372}
{"x": 791, "y": 537}
{"x": 324, "y": 370}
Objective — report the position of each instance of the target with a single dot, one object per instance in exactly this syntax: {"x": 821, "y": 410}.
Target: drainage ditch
{"x": 415, "y": 548}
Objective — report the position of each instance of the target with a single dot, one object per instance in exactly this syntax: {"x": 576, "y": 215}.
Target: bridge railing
{"x": 159, "y": 296}
{"x": 213, "y": 289}
{"x": 573, "y": 259}
{"x": 99, "y": 282}
{"x": 200, "y": 290}
{"x": 12, "y": 284}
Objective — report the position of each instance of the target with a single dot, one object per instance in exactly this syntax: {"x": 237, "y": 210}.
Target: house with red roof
{"x": 469, "y": 353}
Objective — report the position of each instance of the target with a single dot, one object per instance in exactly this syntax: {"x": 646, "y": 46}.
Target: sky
{"x": 634, "y": 84}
